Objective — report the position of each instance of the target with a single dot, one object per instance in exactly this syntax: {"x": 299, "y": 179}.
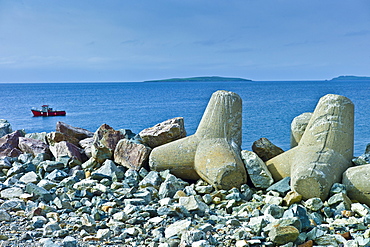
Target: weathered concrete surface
{"x": 165, "y": 132}
{"x": 213, "y": 152}
{"x": 298, "y": 127}
{"x": 326, "y": 148}
{"x": 356, "y": 179}
{"x": 324, "y": 151}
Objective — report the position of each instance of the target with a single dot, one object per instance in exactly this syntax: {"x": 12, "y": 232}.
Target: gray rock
{"x": 32, "y": 146}
{"x": 13, "y": 205}
{"x": 282, "y": 186}
{"x": 170, "y": 186}
{"x": 4, "y": 215}
{"x": 5, "y": 127}
{"x": 56, "y": 176}
{"x": 13, "y": 192}
{"x": 314, "y": 204}
{"x": 39, "y": 192}
{"x": 151, "y": 179}
{"x": 165, "y": 132}
{"x": 177, "y": 228}
{"x": 257, "y": 170}
{"x": 107, "y": 170}
{"x": 298, "y": 211}
{"x": 76, "y": 132}
{"x": 283, "y": 234}
{"x": 265, "y": 149}
{"x": 29, "y": 177}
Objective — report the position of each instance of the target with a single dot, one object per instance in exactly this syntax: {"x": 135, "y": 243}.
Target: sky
{"x": 128, "y": 41}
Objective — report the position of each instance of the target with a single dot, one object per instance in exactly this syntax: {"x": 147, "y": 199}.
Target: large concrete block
{"x": 213, "y": 152}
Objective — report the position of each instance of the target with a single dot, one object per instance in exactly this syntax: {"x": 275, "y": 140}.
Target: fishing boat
{"x": 46, "y": 111}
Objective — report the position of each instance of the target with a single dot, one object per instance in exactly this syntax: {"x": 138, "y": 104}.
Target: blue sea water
{"x": 268, "y": 106}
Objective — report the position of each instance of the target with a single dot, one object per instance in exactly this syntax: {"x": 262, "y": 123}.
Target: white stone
{"x": 176, "y": 228}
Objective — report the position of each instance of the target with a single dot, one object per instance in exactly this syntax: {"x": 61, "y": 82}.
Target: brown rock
{"x": 55, "y": 137}
{"x": 9, "y": 144}
{"x": 64, "y": 148}
{"x": 283, "y": 234}
{"x": 309, "y": 243}
{"x": 107, "y": 136}
{"x": 76, "y": 132}
{"x": 265, "y": 149}
{"x": 291, "y": 198}
{"x": 32, "y": 146}
{"x": 131, "y": 155}
{"x": 164, "y": 132}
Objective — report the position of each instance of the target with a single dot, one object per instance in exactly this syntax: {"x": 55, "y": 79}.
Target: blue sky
{"x": 116, "y": 40}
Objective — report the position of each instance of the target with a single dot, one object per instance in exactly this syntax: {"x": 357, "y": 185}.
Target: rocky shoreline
{"x": 73, "y": 187}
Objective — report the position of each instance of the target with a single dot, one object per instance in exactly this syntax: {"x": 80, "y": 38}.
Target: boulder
{"x": 55, "y": 137}
{"x": 164, "y": 132}
{"x": 297, "y": 128}
{"x": 32, "y": 146}
{"x": 259, "y": 174}
{"x": 265, "y": 149}
{"x": 64, "y": 148}
{"x": 9, "y": 144}
{"x": 131, "y": 155}
{"x": 100, "y": 153}
{"x": 86, "y": 145}
{"x": 5, "y": 127}
{"x": 76, "y": 132}
{"x": 108, "y": 137}
{"x": 213, "y": 152}
{"x": 38, "y": 136}
{"x": 364, "y": 158}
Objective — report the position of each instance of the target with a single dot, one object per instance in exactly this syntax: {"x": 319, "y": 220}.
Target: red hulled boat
{"x": 46, "y": 111}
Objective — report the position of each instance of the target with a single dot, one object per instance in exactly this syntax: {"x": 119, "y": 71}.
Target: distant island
{"x": 201, "y": 79}
{"x": 350, "y": 78}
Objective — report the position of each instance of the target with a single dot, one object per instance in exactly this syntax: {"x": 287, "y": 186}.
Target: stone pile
{"x": 73, "y": 187}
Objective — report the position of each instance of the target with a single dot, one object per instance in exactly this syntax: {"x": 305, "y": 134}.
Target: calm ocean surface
{"x": 268, "y": 107}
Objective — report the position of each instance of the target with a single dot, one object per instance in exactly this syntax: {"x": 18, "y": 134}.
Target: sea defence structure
{"x": 324, "y": 151}
{"x": 213, "y": 152}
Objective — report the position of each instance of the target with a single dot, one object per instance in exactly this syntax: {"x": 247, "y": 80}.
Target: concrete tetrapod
{"x": 213, "y": 152}
{"x": 324, "y": 151}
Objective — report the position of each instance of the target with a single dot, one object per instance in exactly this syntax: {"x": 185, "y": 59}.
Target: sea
{"x": 268, "y": 106}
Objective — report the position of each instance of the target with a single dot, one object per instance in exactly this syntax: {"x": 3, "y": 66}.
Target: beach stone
{"x": 56, "y": 175}
{"x": 291, "y": 197}
{"x": 131, "y": 155}
{"x": 5, "y": 127}
{"x": 12, "y": 192}
{"x": 64, "y": 148}
{"x": 165, "y": 132}
{"x": 39, "y": 192}
{"x": 41, "y": 136}
{"x": 340, "y": 198}
{"x": 152, "y": 179}
{"x": 13, "y": 204}
{"x": 177, "y": 228}
{"x": 213, "y": 152}
{"x": 170, "y": 186}
{"x": 75, "y": 132}
{"x": 259, "y": 174}
{"x": 282, "y": 186}
{"x": 356, "y": 181}
{"x": 69, "y": 241}
{"x": 9, "y": 144}
{"x": 32, "y": 146}
{"x": 103, "y": 234}
{"x": 107, "y": 170}
{"x": 283, "y": 234}
{"x": 4, "y": 215}
{"x": 298, "y": 127}
{"x": 314, "y": 204}
{"x": 265, "y": 149}
{"x": 360, "y": 209}
{"x": 29, "y": 177}
{"x": 301, "y": 213}
{"x": 191, "y": 203}
{"x": 86, "y": 145}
